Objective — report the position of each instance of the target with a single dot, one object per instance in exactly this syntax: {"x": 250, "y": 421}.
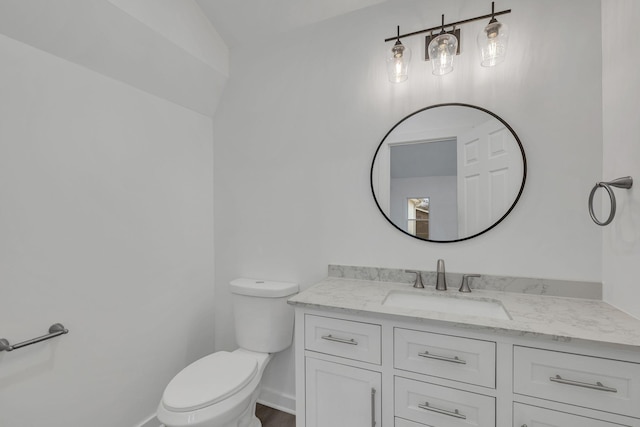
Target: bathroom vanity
{"x": 383, "y": 354}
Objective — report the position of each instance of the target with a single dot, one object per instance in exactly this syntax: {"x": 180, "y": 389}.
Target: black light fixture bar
{"x": 453, "y": 24}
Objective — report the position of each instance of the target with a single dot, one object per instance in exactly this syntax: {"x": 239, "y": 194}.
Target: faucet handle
{"x": 464, "y": 286}
{"x": 418, "y": 283}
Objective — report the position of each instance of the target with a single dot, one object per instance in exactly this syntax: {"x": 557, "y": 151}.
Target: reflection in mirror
{"x": 448, "y": 172}
{"x": 418, "y": 217}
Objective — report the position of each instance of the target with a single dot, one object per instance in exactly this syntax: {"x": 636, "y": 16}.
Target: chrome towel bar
{"x": 54, "y": 330}
{"x": 624, "y": 182}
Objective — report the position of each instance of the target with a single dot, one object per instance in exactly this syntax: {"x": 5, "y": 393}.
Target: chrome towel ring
{"x": 624, "y": 182}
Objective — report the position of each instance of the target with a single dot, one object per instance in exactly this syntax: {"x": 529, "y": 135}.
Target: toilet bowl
{"x": 193, "y": 399}
{"x": 221, "y": 389}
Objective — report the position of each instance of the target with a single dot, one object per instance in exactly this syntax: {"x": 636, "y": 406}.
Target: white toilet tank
{"x": 263, "y": 319}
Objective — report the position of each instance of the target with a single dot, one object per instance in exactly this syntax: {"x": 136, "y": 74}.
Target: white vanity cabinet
{"x": 339, "y": 394}
{"x": 368, "y": 370}
{"x": 444, "y": 357}
{"x": 362, "y": 372}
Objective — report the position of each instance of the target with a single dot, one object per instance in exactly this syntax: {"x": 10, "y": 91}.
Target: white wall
{"x": 621, "y": 129}
{"x": 106, "y": 196}
{"x": 302, "y": 115}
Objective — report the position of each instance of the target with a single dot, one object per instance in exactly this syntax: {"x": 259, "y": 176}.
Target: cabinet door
{"x": 341, "y": 396}
{"x": 532, "y": 416}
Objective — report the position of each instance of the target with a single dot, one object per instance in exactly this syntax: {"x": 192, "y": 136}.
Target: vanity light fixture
{"x": 398, "y": 61}
{"x": 441, "y": 48}
{"x": 441, "y": 51}
{"x": 492, "y": 41}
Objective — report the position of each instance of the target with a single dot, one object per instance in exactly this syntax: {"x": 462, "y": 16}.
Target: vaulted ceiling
{"x": 175, "y": 49}
{"x": 241, "y": 22}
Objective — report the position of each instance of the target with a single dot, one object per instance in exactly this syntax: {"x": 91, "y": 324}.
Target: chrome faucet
{"x": 464, "y": 286}
{"x": 441, "y": 280}
{"x": 418, "y": 283}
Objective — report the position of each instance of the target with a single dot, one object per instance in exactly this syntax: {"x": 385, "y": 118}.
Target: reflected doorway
{"x": 418, "y": 217}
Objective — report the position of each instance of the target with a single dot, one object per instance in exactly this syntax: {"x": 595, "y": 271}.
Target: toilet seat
{"x": 209, "y": 380}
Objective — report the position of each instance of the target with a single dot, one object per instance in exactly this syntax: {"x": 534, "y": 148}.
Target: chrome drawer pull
{"x": 454, "y": 359}
{"x": 596, "y": 386}
{"x": 455, "y": 413}
{"x": 373, "y": 407}
{"x": 340, "y": 340}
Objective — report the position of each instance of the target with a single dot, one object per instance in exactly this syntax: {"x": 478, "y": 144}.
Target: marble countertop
{"x": 559, "y": 318}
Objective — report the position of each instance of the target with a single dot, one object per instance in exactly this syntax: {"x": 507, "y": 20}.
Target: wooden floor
{"x": 273, "y": 418}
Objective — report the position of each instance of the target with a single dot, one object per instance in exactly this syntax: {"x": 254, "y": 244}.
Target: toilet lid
{"x": 209, "y": 380}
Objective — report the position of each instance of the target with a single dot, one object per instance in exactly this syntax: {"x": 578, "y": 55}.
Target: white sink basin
{"x": 462, "y": 305}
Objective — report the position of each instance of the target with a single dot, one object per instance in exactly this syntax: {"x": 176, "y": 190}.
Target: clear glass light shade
{"x": 492, "y": 42}
{"x": 398, "y": 63}
{"x": 442, "y": 50}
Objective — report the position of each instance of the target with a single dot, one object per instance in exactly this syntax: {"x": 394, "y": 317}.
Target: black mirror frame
{"x": 453, "y": 104}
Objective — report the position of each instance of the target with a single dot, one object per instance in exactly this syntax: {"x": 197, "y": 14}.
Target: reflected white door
{"x": 489, "y": 176}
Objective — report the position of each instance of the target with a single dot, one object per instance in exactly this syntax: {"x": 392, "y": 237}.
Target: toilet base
{"x": 236, "y": 411}
{"x": 246, "y": 419}
{"x": 255, "y": 422}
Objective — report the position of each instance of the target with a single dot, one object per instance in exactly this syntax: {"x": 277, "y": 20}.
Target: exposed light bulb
{"x": 492, "y": 42}
{"x": 398, "y": 63}
{"x": 398, "y": 67}
{"x": 442, "y": 50}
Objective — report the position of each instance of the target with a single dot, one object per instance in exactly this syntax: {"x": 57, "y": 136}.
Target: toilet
{"x": 221, "y": 389}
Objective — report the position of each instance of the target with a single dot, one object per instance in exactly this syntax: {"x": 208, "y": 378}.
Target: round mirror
{"x": 448, "y": 172}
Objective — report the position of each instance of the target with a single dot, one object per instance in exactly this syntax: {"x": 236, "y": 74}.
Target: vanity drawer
{"x": 460, "y": 359}
{"x": 344, "y": 338}
{"x": 592, "y": 382}
{"x": 532, "y": 416}
{"x": 401, "y": 422}
{"x": 435, "y": 405}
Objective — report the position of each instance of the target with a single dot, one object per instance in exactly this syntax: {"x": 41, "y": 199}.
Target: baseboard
{"x": 268, "y": 397}
{"x": 277, "y": 400}
{"x": 152, "y": 421}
